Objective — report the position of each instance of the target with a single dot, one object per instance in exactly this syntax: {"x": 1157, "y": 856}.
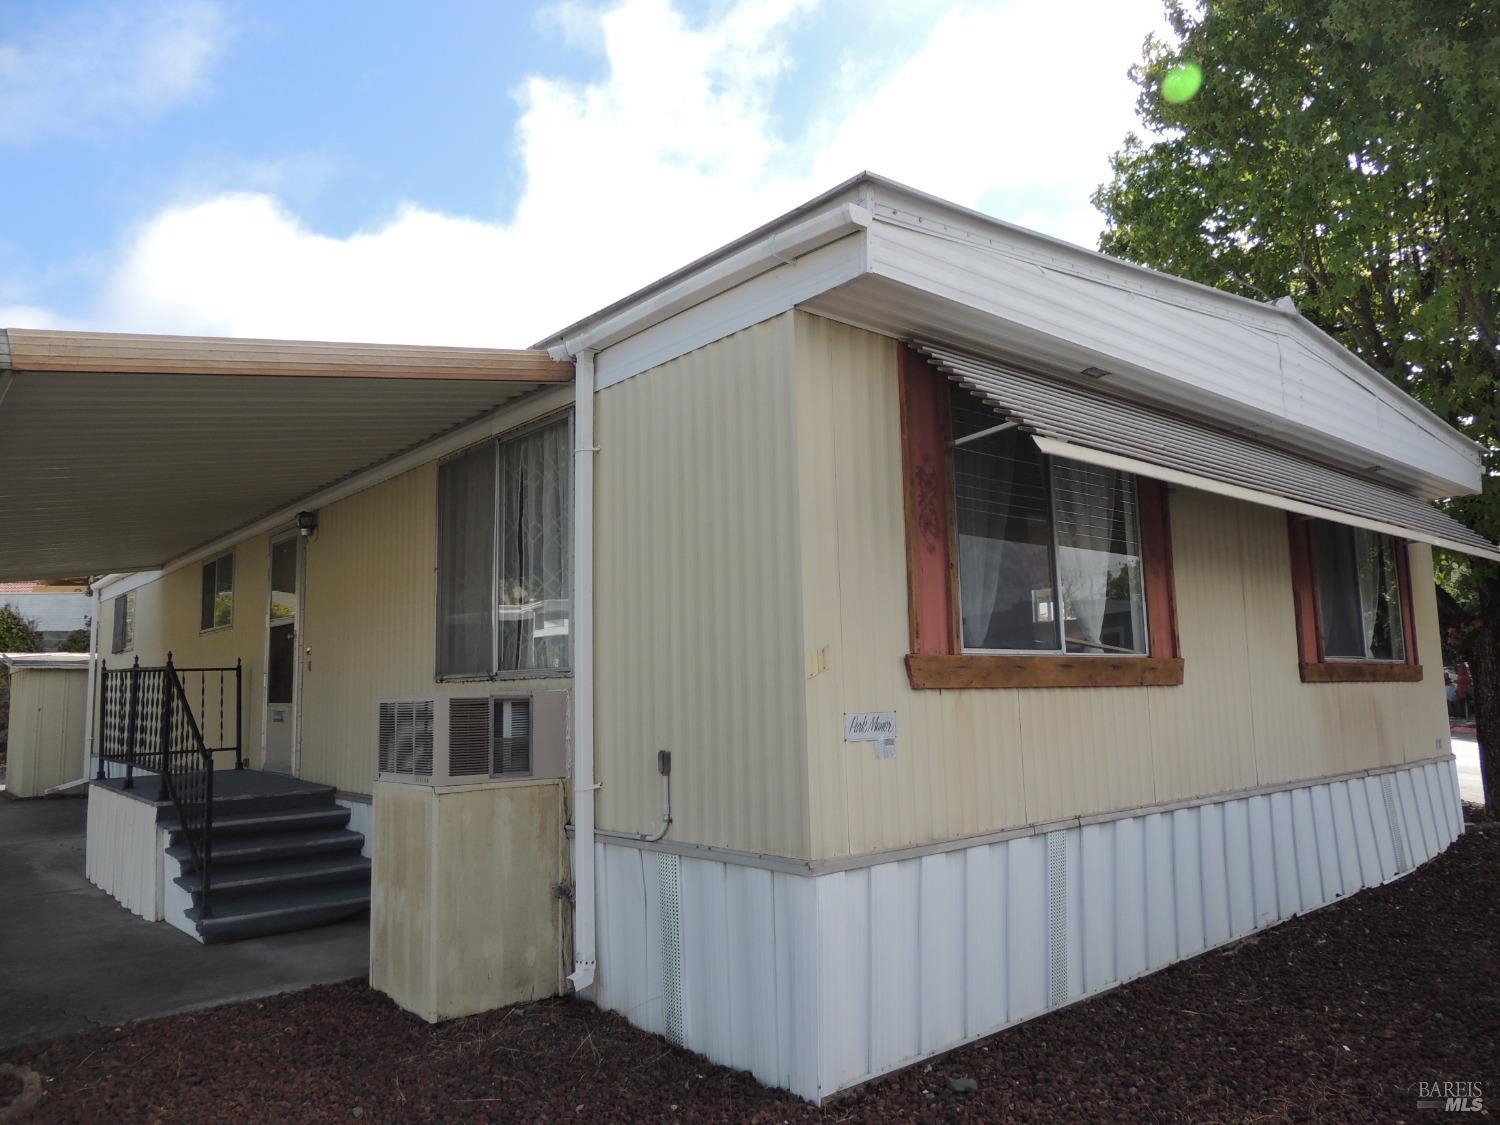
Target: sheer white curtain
{"x": 1098, "y": 558}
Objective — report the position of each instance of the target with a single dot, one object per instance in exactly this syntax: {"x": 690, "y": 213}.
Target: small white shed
{"x": 48, "y": 701}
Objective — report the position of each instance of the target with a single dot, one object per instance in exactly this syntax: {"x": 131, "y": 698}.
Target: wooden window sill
{"x": 1360, "y": 672}
{"x": 985, "y": 671}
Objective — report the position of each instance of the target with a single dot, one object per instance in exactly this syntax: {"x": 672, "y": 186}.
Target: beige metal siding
{"x": 985, "y": 760}
{"x": 369, "y": 627}
{"x": 46, "y": 729}
{"x": 167, "y": 615}
{"x": 698, "y": 595}
{"x": 371, "y": 624}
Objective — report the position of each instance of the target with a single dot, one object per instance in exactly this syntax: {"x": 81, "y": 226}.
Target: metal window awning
{"x": 1083, "y": 424}
{"x": 123, "y": 452}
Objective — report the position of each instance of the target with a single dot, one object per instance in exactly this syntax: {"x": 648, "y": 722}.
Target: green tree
{"x": 1344, "y": 153}
{"x": 76, "y": 641}
{"x": 17, "y": 634}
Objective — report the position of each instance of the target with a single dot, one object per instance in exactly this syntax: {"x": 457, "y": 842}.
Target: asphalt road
{"x": 72, "y": 959}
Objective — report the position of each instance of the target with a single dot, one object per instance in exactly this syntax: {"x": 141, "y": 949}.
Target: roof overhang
{"x": 879, "y": 255}
{"x": 121, "y": 452}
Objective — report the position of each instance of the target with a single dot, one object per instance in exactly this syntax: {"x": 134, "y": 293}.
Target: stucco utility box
{"x": 48, "y": 699}
{"x": 463, "y": 917}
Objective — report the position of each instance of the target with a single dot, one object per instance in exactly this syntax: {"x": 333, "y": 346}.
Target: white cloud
{"x": 674, "y": 150}
{"x": 102, "y": 66}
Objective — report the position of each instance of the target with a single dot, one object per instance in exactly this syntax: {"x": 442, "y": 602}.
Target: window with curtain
{"x": 505, "y": 556}
{"x": 1049, "y": 551}
{"x": 217, "y": 593}
{"x": 1359, "y": 593}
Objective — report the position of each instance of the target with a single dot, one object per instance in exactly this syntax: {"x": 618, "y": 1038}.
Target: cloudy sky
{"x": 477, "y": 172}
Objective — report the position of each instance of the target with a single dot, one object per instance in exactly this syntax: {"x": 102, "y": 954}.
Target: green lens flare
{"x": 1182, "y": 82}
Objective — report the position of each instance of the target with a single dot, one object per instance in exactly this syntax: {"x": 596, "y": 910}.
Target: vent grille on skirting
{"x": 667, "y": 868}
{"x": 469, "y": 737}
{"x": 1057, "y": 919}
{"x": 1398, "y": 838}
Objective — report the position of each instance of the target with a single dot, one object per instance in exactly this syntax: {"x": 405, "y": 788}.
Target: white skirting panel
{"x": 123, "y": 855}
{"x": 817, "y": 982}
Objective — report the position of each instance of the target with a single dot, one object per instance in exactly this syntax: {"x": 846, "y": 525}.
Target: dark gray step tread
{"x": 273, "y": 914}
{"x": 245, "y": 877}
{"x": 293, "y": 820}
{"x": 260, "y": 848}
{"x": 352, "y": 894}
{"x": 250, "y": 804}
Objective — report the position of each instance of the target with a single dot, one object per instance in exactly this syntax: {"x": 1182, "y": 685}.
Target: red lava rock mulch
{"x": 1332, "y": 1017}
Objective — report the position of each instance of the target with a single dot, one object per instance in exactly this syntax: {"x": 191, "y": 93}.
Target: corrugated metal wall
{"x": 975, "y": 761}
{"x": 817, "y": 983}
{"x": 698, "y": 597}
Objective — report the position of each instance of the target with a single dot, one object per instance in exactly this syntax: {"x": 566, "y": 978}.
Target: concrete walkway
{"x": 1470, "y": 784}
{"x": 72, "y": 959}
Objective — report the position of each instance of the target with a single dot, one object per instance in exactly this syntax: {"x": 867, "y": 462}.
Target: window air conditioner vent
{"x": 469, "y": 737}
{"x": 512, "y": 737}
{"x": 457, "y": 740}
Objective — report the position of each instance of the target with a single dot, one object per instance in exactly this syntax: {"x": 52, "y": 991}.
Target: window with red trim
{"x": 1352, "y": 595}
{"x": 1024, "y": 570}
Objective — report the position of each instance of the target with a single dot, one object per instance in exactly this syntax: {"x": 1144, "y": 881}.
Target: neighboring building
{"x": 1014, "y": 622}
{"x": 58, "y": 610}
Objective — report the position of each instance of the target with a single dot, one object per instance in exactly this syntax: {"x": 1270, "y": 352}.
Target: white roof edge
{"x": 846, "y": 191}
{"x": 44, "y": 659}
{"x": 873, "y": 190}
{"x": 1280, "y": 311}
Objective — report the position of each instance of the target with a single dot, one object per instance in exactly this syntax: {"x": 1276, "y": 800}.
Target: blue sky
{"x": 468, "y": 172}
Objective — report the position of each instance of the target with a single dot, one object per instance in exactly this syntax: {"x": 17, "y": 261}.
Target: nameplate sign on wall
{"x": 878, "y": 727}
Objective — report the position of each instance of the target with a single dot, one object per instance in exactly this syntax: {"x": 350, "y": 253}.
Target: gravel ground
{"x": 1332, "y": 1017}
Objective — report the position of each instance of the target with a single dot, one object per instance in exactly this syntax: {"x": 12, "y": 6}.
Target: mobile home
{"x": 883, "y": 630}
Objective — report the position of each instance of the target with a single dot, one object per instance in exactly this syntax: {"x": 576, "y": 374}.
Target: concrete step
{"x": 279, "y": 875}
{"x": 264, "y": 847}
{"x": 283, "y": 912}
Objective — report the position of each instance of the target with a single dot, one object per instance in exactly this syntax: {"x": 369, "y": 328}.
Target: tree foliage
{"x": 17, "y": 633}
{"x": 1344, "y": 153}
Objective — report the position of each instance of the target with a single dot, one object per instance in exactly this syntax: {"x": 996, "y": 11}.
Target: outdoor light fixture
{"x": 307, "y": 523}
{"x": 1094, "y": 372}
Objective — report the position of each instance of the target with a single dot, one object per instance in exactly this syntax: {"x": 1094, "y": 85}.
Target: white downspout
{"x": 90, "y": 709}
{"x": 583, "y": 673}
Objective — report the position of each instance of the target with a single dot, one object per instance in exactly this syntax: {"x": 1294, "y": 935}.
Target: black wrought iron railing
{"x": 147, "y": 722}
{"x": 130, "y": 703}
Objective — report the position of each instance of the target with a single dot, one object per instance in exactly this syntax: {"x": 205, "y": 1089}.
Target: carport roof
{"x": 122, "y": 452}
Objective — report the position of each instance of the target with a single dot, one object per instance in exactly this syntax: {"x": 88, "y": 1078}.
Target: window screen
{"x": 466, "y": 564}
{"x": 122, "y": 639}
{"x": 1049, "y": 551}
{"x": 505, "y": 556}
{"x": 1359, "y": 593}
{"x": 218, "y": 593}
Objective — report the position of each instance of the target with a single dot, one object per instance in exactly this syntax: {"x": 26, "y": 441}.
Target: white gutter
{"x": 782, "y": 248}
{"x": 584, "y": 948}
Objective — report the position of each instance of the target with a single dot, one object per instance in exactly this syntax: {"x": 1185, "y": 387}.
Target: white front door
{"x": 283, "y": 643}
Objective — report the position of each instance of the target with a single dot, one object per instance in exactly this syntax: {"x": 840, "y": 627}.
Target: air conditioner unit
{"x": 462, "y": 739}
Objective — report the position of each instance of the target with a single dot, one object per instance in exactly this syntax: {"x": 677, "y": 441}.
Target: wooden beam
{"x": 32, "y": 350}
{"x": 1360, "y": 672}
